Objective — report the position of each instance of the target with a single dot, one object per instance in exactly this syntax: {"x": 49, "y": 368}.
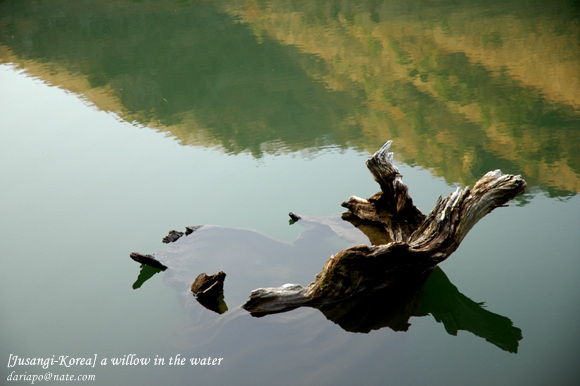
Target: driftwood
{"x": 149, "y": 260}
{"x": 361, "y": 288}
{"x": 414, "y": 243}
{"x": 209, "y": 291}
{"x": 174, "y": 235}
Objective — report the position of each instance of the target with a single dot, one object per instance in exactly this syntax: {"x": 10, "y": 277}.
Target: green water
{"x": 121, "y": 120}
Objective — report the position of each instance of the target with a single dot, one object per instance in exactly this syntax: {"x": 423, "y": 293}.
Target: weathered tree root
{"x": 174, "y": 235}
{"x": 418, "y": 243}
{"x": 209, "y": 291}
{"x": 208, "y": 285}
{"x": 147, "y": 260}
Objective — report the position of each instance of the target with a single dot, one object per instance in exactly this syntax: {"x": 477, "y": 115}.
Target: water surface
{"x": 122, "y": 120}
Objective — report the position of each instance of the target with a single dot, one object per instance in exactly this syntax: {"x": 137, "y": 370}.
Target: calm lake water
{"x": 121, "y": 120}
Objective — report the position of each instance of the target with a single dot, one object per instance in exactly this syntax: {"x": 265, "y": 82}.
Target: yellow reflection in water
{"x": 461, "y": 88}
{"x": 446, "y": 82}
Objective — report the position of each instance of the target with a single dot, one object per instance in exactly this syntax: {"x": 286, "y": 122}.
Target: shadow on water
{"x": 145, "y": 274}
{"x": 432, "y": 294}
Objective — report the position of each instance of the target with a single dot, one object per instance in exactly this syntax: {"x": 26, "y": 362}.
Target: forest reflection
{"x": 463, "y": 88}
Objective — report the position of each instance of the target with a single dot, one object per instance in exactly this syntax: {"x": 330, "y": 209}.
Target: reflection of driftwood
{"x": 431, "y": 293}
{"x": 447, "y": 305}
{"x": 418, "y": 243}
{"x": 145, "y": 274}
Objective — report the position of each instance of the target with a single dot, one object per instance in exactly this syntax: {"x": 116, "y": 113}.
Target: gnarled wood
{"x": 418, "y": 243}
{"x": 392, "y": 206}
{"x": 148, "y": 260}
